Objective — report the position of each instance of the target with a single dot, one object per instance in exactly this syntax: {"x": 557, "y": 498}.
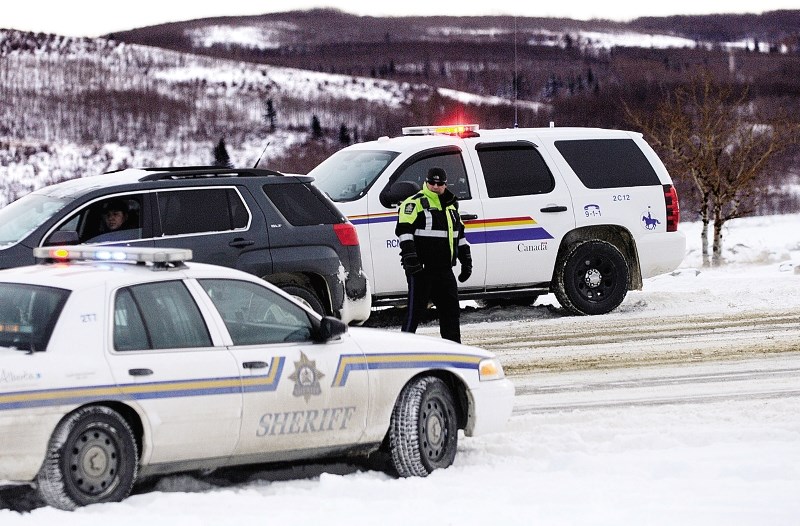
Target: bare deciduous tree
{"x": 712, "y": 135}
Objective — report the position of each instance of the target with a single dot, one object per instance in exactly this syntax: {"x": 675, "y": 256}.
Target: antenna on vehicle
{"x": 262, "y": 155}
{"x": 516, "y": 125}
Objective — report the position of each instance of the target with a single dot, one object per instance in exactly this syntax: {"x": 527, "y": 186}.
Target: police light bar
{"x": 461, "y": 130}
{"x": 131, "y": 254}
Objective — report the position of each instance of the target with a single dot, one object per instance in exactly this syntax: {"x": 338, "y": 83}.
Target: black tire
{"x": 305, "y": 296}
{"x": 592, "y": 278}
{"x": 423, "y": 431}
{"x": 92, "y": 457}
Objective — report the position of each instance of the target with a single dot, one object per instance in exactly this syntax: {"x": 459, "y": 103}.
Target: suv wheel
{"x": 306, "y": 296}
{"x": 592, "y": 278}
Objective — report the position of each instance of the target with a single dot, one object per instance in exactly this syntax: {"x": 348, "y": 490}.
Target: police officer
{"x": 431, "y": 238}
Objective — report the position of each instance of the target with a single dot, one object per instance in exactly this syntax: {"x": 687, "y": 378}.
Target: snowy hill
{"x": 165, "y": 95}
{"x": 75, "y": 106}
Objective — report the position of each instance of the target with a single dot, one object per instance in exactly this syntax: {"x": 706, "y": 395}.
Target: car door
{"x": 527, "y": 210}
{"x": 214, "y": 222}
{"x": 388, "y": 274}
{"x": 164, "y": 358}
{"x": 290, "y": 401}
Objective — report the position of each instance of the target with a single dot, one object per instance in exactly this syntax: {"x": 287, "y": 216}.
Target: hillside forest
{"x": 292, "y": 88}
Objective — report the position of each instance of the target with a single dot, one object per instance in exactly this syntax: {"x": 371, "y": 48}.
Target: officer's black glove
{"x": 465, "y": 258}
{"x": 411, "y": 263}
{"x": 466, "y": 272}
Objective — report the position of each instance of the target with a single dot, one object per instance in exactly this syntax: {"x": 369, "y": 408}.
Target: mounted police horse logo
{"x": 650, "y": 222}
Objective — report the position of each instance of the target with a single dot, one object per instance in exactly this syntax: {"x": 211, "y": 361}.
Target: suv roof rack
{"x": 187, "y": 172}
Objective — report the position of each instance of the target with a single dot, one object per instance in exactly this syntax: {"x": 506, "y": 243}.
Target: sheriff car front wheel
{"x": 423, "y": 432}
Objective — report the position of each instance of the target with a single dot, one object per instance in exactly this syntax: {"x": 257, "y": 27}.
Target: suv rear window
{"x": 512, "y": 169}
{"x": 608, "y": 163}
{"x": 28, "y": 314}
{"x": 301, "y": 204}
{"x": 207, "y": 210}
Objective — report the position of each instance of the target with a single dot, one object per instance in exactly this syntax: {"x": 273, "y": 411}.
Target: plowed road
{"x": 612, "y": 341}
{"x": 611, "y": 361}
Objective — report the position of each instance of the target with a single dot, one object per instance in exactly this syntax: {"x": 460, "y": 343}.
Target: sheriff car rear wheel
{"x": 423, "y": 432}
{"x": 92, "y": 457}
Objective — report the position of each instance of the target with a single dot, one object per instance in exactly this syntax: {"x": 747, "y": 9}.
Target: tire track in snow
{"x": 578, "y": 343}
{"x": 720, "y": 382}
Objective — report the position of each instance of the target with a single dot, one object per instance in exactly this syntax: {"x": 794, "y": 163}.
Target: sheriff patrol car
{"x": 585, "y": 213}
{"x": 118, "y": 363}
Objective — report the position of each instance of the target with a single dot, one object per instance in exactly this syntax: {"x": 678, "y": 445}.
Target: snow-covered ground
{"x": 677, "y": 459}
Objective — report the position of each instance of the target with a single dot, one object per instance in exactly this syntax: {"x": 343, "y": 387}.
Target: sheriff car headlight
{"x": 490, "y": 369}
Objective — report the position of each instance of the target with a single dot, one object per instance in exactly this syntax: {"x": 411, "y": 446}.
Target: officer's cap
{"x": 436, "y": 175}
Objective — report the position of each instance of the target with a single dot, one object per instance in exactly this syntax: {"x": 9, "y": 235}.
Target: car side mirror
{"x": 398, "y": 192}
{"x": 330, "y": 328}
{"x": 62, "y": 237}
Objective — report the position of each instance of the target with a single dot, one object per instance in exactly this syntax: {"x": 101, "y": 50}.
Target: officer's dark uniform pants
{"x": 437, "y": 285}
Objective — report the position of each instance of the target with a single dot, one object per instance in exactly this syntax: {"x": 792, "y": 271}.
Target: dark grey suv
{"x": 280, "y": 228}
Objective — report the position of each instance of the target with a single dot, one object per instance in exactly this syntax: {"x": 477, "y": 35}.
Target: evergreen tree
{"x": 221, "y": 157}
{"x": 271, "y": 114}
{"x": 344, "y": 135}
{"x": 316, "y": 127}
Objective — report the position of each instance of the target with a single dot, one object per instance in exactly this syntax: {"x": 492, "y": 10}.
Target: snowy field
{"x": 731, "y": 460}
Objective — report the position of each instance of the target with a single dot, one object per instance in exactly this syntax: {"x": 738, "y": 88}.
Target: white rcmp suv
{"x": 120, "y": 363}
{"x": 585, "y": 213}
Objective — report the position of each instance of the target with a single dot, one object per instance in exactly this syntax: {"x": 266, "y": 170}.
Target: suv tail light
{"x": 673, "y": 209}
{"x": 346, "y": 233}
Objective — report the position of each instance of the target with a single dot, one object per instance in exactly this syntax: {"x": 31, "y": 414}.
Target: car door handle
{"x": 467, "y": 217}
{"x": 241, "y": 243}
{"x": 255, "y": 365}
{"x": 140, "y": 372}
{"x": 554, "y": 209}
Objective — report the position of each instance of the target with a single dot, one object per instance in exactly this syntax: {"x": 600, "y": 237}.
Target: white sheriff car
{"x": 122, "y": 363}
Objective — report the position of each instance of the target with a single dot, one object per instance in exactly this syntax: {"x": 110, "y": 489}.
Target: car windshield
{"x": 25, "y": 215}
{"x": 348, "y": 174}
{"x": 28, "y": 314}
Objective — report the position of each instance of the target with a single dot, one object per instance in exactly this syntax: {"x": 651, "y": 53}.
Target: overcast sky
{"x": 98, "y": 17}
